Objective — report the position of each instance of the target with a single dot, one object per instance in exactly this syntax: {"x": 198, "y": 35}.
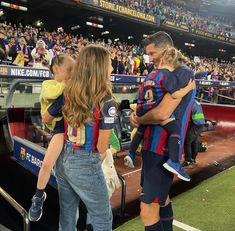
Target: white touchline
{"x": 184, "y": 226}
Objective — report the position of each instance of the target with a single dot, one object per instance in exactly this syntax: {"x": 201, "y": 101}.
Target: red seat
{"x": 17, "y": 124}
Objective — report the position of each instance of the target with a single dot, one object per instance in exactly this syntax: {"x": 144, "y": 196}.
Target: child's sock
{"x": 132, "y": 155}
{"x": 173, "y": 130}
{"x": 155, "y": 227}
{"x": 166, "y": 217}
{"x": 39, "y": 192}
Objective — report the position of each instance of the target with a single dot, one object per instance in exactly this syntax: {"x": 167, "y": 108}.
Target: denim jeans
{"x": 79, "y": 176}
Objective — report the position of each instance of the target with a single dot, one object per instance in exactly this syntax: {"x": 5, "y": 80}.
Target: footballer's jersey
{"x": 151, "y": 93}
{"x": 183, "y": 111}
{"x": 154, "y": 87}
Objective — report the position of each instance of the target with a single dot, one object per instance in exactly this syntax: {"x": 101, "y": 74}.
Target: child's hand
{"x": 191, "y": 84}
{"x": 133, "y": 120}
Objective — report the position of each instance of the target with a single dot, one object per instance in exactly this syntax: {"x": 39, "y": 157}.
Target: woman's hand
{"x": 102, "y": 156}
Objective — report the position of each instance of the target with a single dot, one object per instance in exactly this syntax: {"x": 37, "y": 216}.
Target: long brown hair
{"x": 88, "y": 86}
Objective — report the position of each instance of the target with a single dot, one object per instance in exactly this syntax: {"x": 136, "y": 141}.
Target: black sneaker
{"x": 35, "y": 211}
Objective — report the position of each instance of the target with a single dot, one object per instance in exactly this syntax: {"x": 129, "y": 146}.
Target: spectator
{"x": 3, "y": 53}
{"x": 196, "y": 124}
{"x": 40, "y": 55}
{"x": 20, "y": 53}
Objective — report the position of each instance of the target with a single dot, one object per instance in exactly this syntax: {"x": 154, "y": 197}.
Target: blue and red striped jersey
{"x": 151, "y": 93}
{"x": 102, "y": 120}
{"x": 153, "y": 89}
{"x": 86, "y": 137}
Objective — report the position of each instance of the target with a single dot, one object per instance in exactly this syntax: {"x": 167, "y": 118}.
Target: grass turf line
{"x": 209, "y": 207}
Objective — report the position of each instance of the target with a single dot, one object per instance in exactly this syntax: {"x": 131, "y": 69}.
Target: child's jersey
{"x": 153, "y": 89}
{"x": 155, "y": 86}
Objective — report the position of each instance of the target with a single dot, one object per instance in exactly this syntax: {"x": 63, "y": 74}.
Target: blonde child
{"x": 52, "y": 92}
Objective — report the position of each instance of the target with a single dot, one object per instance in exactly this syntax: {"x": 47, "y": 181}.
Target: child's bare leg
{"x": 53, "y": 151}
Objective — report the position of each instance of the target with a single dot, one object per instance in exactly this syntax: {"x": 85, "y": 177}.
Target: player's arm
{"x": 184, "y": 91}
{"x": 160, "y": 113}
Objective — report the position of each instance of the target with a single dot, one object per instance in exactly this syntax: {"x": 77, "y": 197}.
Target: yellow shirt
{"x": 51, "y": 89}
{"x": 134, "y": 107}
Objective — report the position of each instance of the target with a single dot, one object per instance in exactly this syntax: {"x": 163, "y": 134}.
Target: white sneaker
{"x": 128, "y": 162}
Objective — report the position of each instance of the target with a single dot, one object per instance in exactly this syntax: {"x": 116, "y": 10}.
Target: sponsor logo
{"x": 29, "y": 73}
{"x": 22, "y": 153}
{"x": 108, "y": 120}
{"x": 128, "y": 113}
{"x": 33, "y": 160}
{"x": 207, "y": 83}
{"x": 3, "y": 71}
{"x": 224, "y": 83}
{"x": 112, "y": 111}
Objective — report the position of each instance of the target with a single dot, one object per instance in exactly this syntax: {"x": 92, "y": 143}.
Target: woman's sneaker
{"x": 35, "y": 211}
{"x": 177, "y": 169}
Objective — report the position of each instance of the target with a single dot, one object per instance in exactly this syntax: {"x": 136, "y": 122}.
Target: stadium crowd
{"x": 27, "y": 46}
{"x": 178, "y": 12}
{"x": 39, "y": 47}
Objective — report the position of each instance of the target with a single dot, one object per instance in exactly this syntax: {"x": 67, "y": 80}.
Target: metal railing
{"x": 17, "y": 207}
{"x": 215, "y": 98}
{"x": 123, "y": 196}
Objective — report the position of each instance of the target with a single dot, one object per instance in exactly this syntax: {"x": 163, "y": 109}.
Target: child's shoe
{"x": 35, "y": 211}
{"x": 129, "y": 160}
{"x": 177, "y": 169}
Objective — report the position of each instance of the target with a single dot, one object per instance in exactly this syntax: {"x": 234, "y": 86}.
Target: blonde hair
{"x": 173, "y": 57}
{"x": 88, "y": 86}
{"x": 59, "y": 60}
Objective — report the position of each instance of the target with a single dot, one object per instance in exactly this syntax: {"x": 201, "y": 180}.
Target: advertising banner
{"x": 183, "y": 27}
{"x": 121, "y": 10}
{"x": 30, "y": 158}
{"x": 24, "y": 72}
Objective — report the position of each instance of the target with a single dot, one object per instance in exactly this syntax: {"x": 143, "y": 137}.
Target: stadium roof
{"x": 65, "y": 14}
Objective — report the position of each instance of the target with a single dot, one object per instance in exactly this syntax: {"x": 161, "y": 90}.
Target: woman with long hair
{"x": 89, "y": 112}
